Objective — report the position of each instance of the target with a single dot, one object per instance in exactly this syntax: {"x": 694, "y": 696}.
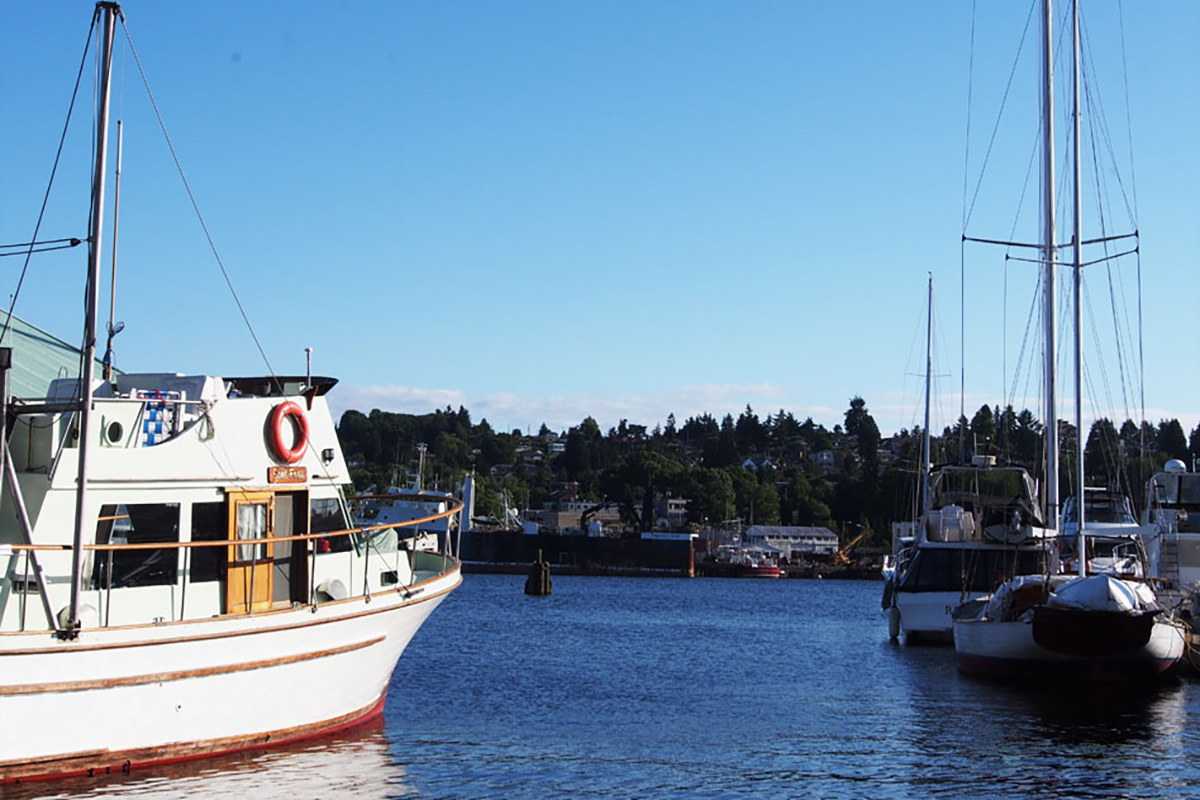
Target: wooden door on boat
{"x": 252, "y": 524}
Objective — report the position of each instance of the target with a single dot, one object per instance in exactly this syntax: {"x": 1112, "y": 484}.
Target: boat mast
{"x": 1077, "y": 248}
{"x": 108, "y": 12}
{"x": 112, "y": 295}
{"x": 1050, "y": 256}
{"x": 925, "y": 458}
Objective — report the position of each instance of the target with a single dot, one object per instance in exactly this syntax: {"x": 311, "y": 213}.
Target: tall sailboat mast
{"x": 108, "y": 12}
{"x": 926, "y": 461}
{"x": 1077, "y": 252}
{"x": 1049, "y": 258}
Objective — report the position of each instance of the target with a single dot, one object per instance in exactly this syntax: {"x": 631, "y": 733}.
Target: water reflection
{"x": 1055, "y": 741}
{"x": 356, "y": 763}
{"x": 1106, "y": 715}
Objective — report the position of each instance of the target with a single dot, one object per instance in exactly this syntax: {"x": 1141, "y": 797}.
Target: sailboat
{"x": 1095, "y": 626}
{"x": 182, "y": 576}
{"x": 979, "y": 525}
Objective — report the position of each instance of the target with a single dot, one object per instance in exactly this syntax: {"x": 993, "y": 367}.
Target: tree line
{"x": 744, "y": 470}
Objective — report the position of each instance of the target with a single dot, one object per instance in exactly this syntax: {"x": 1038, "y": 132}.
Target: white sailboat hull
{"x": 119, "y": 698}
{"x": 1007, "y": 650}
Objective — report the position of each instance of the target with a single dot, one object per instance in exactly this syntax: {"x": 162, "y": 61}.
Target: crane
{"x": 842, "y": 557}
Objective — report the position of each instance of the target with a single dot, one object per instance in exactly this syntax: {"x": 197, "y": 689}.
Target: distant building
{"x": 670, "y": 513}
{"x": 566, "y": 516}
{"x": 795, "y": 543}
{"x": 826, "y": 460}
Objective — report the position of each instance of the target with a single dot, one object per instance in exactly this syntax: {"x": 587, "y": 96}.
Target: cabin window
{"x": 137, "y": 523}
{"x": 953, "y": 569}
{"x": 326, "y": 516}
{"x": 209, "y": 524}
{"x": 252, "y": 529}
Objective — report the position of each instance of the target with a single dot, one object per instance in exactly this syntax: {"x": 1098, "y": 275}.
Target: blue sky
{"x": 545, "y": 210}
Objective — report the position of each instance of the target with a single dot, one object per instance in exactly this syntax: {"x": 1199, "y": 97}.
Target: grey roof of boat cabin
{"x": 38, "y": 358}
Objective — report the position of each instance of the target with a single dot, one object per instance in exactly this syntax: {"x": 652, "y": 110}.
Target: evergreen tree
{"x": 1171, "y": 440}
{"x": 1101, "y": 454}
{"x": 983, "y": 431}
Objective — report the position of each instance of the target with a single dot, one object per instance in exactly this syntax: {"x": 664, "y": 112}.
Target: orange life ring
{"x": 279, "y": 417}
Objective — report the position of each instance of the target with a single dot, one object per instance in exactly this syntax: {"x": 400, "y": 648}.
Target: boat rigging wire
{"x": 1029, "y": 326}
{"x": 50, "y": 184}
{"x": 1098, "y": 120}
{"x": 40, "y": 247}
{"x": 195, "y": 205}
{"x": 968, "y": 211}
{"x": 1097, "y": 125}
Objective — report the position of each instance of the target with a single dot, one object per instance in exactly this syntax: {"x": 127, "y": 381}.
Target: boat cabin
{"x": 205, "y": 496}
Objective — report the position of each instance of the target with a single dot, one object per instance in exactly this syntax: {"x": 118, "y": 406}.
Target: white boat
{"x": 980, "y": 525}
{"x": 1095, "y": 629}
{"x": 164, "y": 595}
{"x": 427, "y": 515}
{"x": 1106, "y": 511}
{"x": 748, "y": 561}
{"x": 1044, "y": 627}
{"x": 1171, "y": 525}
{"x": 1114, "y": 536}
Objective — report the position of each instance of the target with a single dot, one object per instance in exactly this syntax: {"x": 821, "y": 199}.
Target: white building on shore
{"x": 795, "y": 543}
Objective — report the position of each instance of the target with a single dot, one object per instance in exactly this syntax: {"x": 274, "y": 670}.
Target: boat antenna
{"x": 113, "y": 327}
{"x": 109, "y": 11}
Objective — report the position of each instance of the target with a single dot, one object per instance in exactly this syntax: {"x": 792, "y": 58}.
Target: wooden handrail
{"x": 301, "y": 537}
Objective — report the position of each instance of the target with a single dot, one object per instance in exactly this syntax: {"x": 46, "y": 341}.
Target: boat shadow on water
{"x": 356, "y": 763}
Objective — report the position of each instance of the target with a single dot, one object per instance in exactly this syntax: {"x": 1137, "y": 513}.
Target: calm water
{"x": 631, "y": 688}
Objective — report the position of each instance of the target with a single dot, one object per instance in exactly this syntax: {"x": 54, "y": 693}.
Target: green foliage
{"x": 870, "y": 484}
{"x": 1171, "y": 440}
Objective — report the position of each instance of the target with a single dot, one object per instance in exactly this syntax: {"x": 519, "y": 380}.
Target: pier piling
{"x": 538, "y": 582}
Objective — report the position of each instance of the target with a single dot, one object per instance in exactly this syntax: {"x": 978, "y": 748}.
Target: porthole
{"x": 115, "y": 432}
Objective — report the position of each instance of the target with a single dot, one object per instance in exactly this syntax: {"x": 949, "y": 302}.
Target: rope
{"x": 196, "y": 207}
{"x": 53, "y": 171}
{"x": 1188, "y": 648}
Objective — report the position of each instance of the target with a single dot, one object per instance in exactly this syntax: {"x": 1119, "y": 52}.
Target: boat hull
{"x": 758, "y": 571}
{"x": 118, "y": 699}
{"x": 1008, "y": 650}
{"x": 925, "y": 616}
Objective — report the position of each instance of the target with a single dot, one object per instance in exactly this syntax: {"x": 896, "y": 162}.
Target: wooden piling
{"x": 538, "y": 582}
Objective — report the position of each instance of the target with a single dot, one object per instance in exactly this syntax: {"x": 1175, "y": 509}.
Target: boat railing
{"x": 422, "y": 564}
